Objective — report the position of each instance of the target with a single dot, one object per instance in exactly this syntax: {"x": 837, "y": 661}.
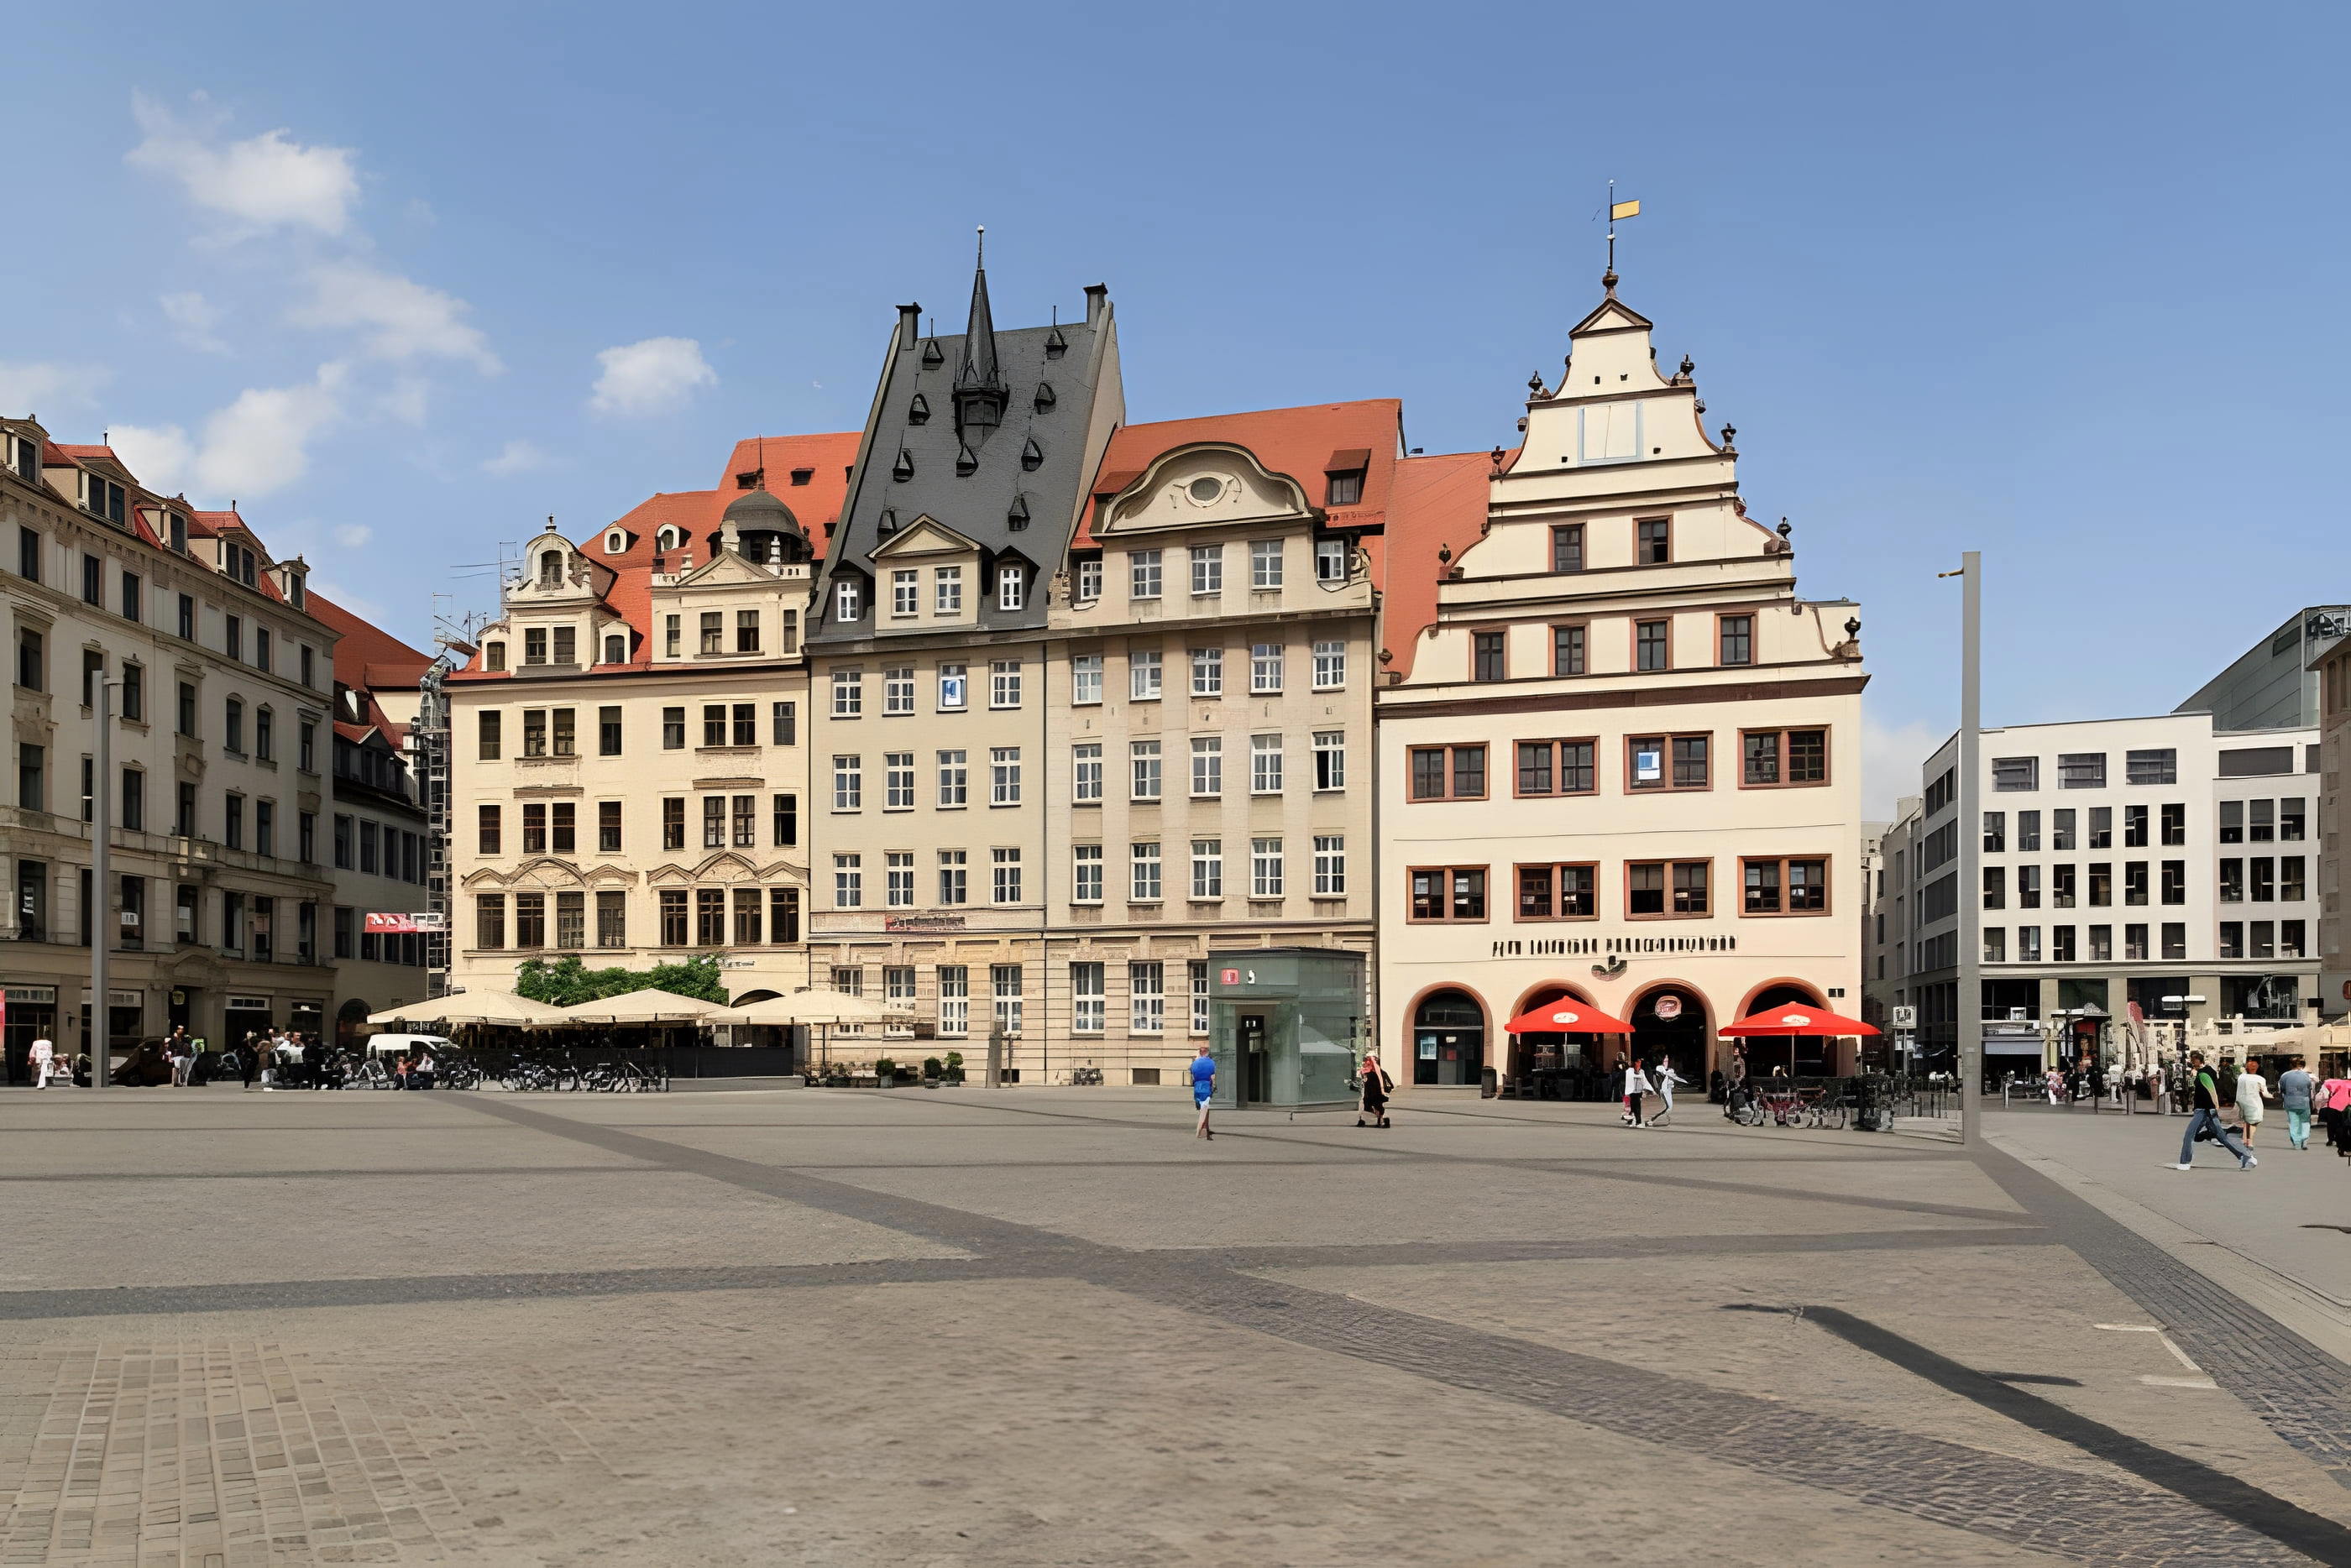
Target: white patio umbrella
{"x": 471, "y": 1007}
{"x": 648, "y": 1006}
{"x": 817, "y": 1006}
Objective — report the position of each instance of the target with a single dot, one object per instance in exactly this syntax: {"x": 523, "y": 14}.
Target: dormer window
{"x": 294, "y": 589}
{"x": 179, "y": 534}
{"x": 1011, "y": 587}
{"x": 494, "y": 656}
{"x": 667, "y": 538}
{"x": 28, "y": 458}
{"x": 802, "y": 475}
{"x": 534, "y": 645}
{"x": 239, "y": 562}
{"x": 616, "y": 542}
{"x": 550, "y": 569}
{"x": 104, "y": 499}
{"x": 616, "y": 648}
{"x": 1343, "y": 487}
{"x": 848, "y": 600}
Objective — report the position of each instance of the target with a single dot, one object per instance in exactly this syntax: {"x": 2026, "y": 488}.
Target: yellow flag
{"x": 1624, "y": 210}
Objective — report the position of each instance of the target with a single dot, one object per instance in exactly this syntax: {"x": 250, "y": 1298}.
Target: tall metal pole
{"x": 1970, "y": 998}
{"x": 98, "y": 1037}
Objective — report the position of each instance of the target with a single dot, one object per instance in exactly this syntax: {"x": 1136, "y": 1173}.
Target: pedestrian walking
{"x": 1376, "y": 1088}
{"x": 2204, "y": 1118}
{"x": 2253, "y": 1094}
{"x": 1666, "y": 1080}
{"x": 2296, "y": 1087}
{"x": 2334, "y": 1099}
{"x": 43, "y": 1059}
{"x": 1735, "y": 1095}
{"x": 1204, "y": 1083}
{"x": 1637, "y": 1083}
{"x": 2055, "y": 1083}
{"x": 249, "y": 1061}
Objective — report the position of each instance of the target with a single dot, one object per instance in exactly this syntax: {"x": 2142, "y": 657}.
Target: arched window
{"x": 550, "y": 569}
{"x": 667, "y": 538}
{"x": 616, "y": 542}
{"x": 1449, "y": 1039}
{"x": 616, "y": 648}
{"x": 494, "y": 656}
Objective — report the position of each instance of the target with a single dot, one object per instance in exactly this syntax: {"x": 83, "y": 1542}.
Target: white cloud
{"x": 403, "y": 319}
{"x": 260, "y": 443}
{"x": 1890, "y": 760}
{"x": 407, "y": 400}
{"x": 28, "y": 387}
{"x": 353, "y": 536}
{"x": 266, "y": 181}
{"x": 653, "y": 377}
{"x": 515, "y": 457}
{"x": 160, "y": 455}
{"x": 194, "y": 316}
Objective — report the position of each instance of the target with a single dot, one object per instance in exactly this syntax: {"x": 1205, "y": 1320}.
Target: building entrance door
{"x": 1256, "y": 1085}
{"x": 1670, "y": 1024}
{"x": 1449, "y": 1039}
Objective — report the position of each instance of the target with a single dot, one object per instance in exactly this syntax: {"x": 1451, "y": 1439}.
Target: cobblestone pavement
{"x": 1049, "y": 1327}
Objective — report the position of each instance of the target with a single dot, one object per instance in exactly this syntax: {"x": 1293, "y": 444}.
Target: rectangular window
{"x": 1265, "y": 765}
{"x": 1995, "y": 831}
{"x": 746, "y": 817}
{"x": 674, "y": 823}
{"x": 133, "y": 601}
{"x": 1144, "y": 758}
{"x": 570, "y": 919}
{"x": 1142, "y": 574}
{"x": 2175, "y": 824}
{"x": 1011, "y": 586}
{"x": 1659, "y": 890}
{"x": 710, "y": 917}
{"x": 1146, "y": 991}
{"x": 898, "y": 781}
{"x": 712, "y": 636}
{"x": 2154, "y": 765}
{"x": 848, "y": 693}
{"x": 1265, "y": 869}
{"x": 898, "y": 873}
{"x": 1090, "y": 580}
{"x": 1197, "y": 970}
{"x": 784, "y": 819}
{"x": 2175, "y": 940}
{"x": 1004, "y": 776}
{"x": 2290, "y": 820}
{"x": 2293, "y": 935}
{"x": 1088, "y": 998}
{"x": 2015, "y": 774}
{"x": 673, "y": 916}
{"x": 567, "y": 740}
{"x": 955, "y": 688}
{"x": 2061, "y": 887}
{"x": 2232, "y": 881}
{"x": 1769, "y": 757}
{"x": 2135, "y": 882}
{"x": 1488, "y": 659}
{"x": 534, "y": 731}
{"x": 1207, "y": 766}
{"x": 1667, "y": 762}
{"x": 2175, "y": 881}
{"x": 2102, "y": 884}
{"x": 1208, "y": 570}
{"x": 93, "y": 585}
{"x": 673, "y": 729}
{"x": 1086, "y": 773}
{"x": 1086, "y": 881}
{"x": 955, "y": 999}
{"x": 530, "y": 919}
{"x": 2081, "y": 770}
{"x": 1329, "y": 760}
{"x": 906, "y": 591}
{"x": 1330, "y": 666}
{"x": 1144, "y": 886}
{"x": 848, "y": 783}
{"x": 847, "y": 881}
{"x": 1330, "y": 866}
{"x": 1447, "y": 893}
{"x": 28, "y": 548}
{"x": 1652, "y": 646}
{"x": 533, "y": 834}
{"x": 1265, "y": 667}
{"x": 1142, "y": 676}
{"x": 611, "y": 919}
{"x": 2134, "y": 827}
{"x": 2134, "y": 943}
{"x": 1735, "y": 638}
{"x": 608, "y": 826}
{"x": 783, "y": 915}
{"x": 1995, "y": 889}
{"x": 1207, "y": 673}
{"x": 2292, "y": 885}
{"x": 1343, "y": 487}
{"x": 1207, "y": 868}
{"x": 746, "y": 727}
{"x": 1086, "y": 678}
{"x": 1567, "y": 651}
{"x": 1004, "y": 864}
{"x": 567, "y": 649}
{"x": 1795, "y": 886}
{"x": 608, "y": 731}
{"x": 1004, "y": 987}
{"x": 955, "y": 775}
{"x": 1004, "y": 683}
{"x": 2232, "y": 939}
{"x": 1655, "y": 541}
{"x": 1265, "y": 563}
{"x": 1567, "y": 547}
{"x": 489, "y": 924}
{"x": 1448, "y": 773}
{"x": 898, "y": 691}
{"x": 946, "y": 591}
{"x": 1331, "y": 562}
{"x": 955, "y": 873}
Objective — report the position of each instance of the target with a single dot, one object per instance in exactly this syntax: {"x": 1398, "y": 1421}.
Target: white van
{"x": 394, "y": 1045}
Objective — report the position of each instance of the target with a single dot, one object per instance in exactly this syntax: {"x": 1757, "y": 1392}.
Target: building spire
{"x": 979, "y": 367}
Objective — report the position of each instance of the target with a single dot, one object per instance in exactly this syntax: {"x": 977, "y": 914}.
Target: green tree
{"x": 567, "y": 981}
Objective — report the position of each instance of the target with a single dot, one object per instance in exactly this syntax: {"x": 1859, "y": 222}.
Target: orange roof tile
{"x": 367, "y": 656}
{"x": 1299, "y": 443}
{"x": 1438, "y": 501}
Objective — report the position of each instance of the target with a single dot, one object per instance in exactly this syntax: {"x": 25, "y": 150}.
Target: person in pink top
{"x": 2334, "y": 1112}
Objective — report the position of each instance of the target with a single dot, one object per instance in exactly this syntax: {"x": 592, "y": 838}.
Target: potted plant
{"x": 886, "y": 1072}
{"x": 952, "y": 1072}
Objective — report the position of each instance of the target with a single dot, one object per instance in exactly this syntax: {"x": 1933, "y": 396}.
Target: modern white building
{"x": 2160, "y": 861}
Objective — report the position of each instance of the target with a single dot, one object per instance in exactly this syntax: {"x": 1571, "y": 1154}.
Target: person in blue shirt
{"x": 1204, "y": 1083}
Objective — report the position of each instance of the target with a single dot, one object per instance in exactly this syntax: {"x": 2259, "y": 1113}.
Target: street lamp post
{"x": 97, "y": 1036}
{"x": 1969, "y": 1006}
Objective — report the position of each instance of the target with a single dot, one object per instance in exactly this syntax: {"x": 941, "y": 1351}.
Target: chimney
{"x": 1097, "y": 303}
{"x": 910, "y": 326}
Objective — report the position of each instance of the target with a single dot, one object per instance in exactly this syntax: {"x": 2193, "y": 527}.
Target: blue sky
{"x": 2058, "y": 282}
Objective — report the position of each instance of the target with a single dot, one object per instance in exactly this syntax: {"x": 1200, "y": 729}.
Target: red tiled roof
{"x": 1438, "y": 501}
{"x": 1298, "y": 442}
{"x": 367, "y": 656}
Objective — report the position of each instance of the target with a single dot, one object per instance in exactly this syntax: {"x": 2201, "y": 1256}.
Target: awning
{"x": 1793, "y": 1020}
{"x": 1566, "y": 1016}
{"x": 648, "y": 1006}
{"x": 817, "y": 1006}
{"x": 471, "y": 1007}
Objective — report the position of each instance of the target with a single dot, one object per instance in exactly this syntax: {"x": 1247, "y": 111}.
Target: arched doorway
{"x": 1449, "y": 1038}
{"x": 1803, "y": 1055}
{"x": 1555, "y": 1050}
{"x": 1669, "y": 1023}
{"x": 350, "y": 1018}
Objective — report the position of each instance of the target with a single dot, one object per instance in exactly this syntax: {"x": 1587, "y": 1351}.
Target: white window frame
{"x": 1085, "y": 680}
{"x": 1207, "y": 563}
{"x": 848, "y": 693}
{"x": 1265, "y": 667}
{"x": 1004, "y": 776}
{"x": 848, "y": 600}
{"x": 1088, "y": 998}
{"x": 847, "y": 881}
{"x": 1265, "y": 765}
{"x": 955, "y": 688}
{"x": 1208, "y": 767}
{"x": 898, "y": 781}
{"x": 1086, "y": 772}
{"x": 1265, "y": 563}
{"x": 1004, "y": 874}
{"x": 1143, "y": 580}
{"x": 1330, "y": 762}
{"x": 1145, "y": 765}
{"x": 1207, "y": 868}
{"x": 1090, "y": 580}
{"x": 898, "y": 867}
{"x": 1330, "y": 866}
{"x": 1011, "y": 587}
{"x": 1144, "y": 882}
{"x": 954, "y": 767}
{"x": 1086, "y": 873}
{"x": 848, "y": 781}
{"x": 898, "y": 689}
{"x": 1196, "y": 972}
{"x": 954, "y": 878}
{"x": 1266, "y": 876}
{"x": 946, "y": 590}
{"x": 1003, "y": 683}
{"x": 1207, "y": 673}
{"x": 906, "y": 591}
{"x": 1330, "y": 561}
{"x": 1330, "y": 666}
{"x": 1146, "y": 996}
{"x": 1145, "y": 676}
{"x": 955, "y": 999}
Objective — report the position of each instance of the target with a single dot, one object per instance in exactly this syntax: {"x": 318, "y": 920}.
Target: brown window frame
{"x": 1639, "y": 524}
{"x": 1783, "y": 732}
{"x": 1583, "y": 649}
{"x": 1570, "y": 535}
{"x": 1451, "y": 771}
{"x": 1446, "y": 874}
{"x": 1784, "y": 912}
{"x": 1498, "y": 640}
{"x": 1754, "y": 624}
{"x": 1670, "y": 913}
{"x": 1667, "y": 785}
{"x": 1634, "y": 663}
{"x": 1557, "y": 770}
{"x": 1518, "y": 908}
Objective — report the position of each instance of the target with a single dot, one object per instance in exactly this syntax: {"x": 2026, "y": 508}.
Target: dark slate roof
{"x": 979, "y": 505}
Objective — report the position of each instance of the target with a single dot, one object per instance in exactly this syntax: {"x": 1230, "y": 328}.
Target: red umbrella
{"x": 1566, "y": 1016}
{"x": 1796, "y": 1017}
